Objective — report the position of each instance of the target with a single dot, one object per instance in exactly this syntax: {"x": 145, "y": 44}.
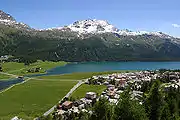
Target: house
{"x": 111, "y": 94}
{"x": 60, "y": 112}
{"x": 77, "y": 103}
{"x": 115, "y": 101}
{"x": 91, "y": 95}
{"x": 15, "y": 118}
{"x": 120, "y": 83}
{"x": 111, "y": 89}
{"x": 75, "y": 110}
{"x": 106, "y": 83}
{"x": 82, "y": 106}
{"x": 59, "y": 107}
{"x": 110, "y": 86}
{"x": 67, "y": 105}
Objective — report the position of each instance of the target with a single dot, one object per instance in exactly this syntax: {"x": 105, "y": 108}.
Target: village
{"x": 116, "y": 83}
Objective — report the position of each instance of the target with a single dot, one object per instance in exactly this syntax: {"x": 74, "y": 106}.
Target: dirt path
{"x": 66, "y": 96}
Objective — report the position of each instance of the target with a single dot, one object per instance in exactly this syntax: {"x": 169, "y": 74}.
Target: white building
{"x": 91, "y": 95}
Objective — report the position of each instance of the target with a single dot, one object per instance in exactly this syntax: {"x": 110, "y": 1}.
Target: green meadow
{"x": 32, "y": 98}
{"x": 77, "y": 76}
{"x": 21, "y": 69}
{"x": 4, "y": 77}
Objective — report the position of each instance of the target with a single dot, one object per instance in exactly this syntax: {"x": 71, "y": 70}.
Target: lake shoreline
{"x": 83, "y": 67}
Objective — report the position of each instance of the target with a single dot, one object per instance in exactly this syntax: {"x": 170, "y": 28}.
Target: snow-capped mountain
{"x": 93, "y": 26}
{"x": 8, "y": 20}
{"x": 90, "y": 26}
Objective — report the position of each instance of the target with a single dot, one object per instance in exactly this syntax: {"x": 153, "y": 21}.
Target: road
{"x": 66, "y": 96}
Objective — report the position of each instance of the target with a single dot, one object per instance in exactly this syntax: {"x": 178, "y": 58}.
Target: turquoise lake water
{"x": 112, "y": 66}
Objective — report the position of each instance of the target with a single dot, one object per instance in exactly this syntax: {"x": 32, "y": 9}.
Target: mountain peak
{"x": 8, "y": 20}
{"x": 92, "y": 26}
{"x": 91, "y": 22}
{"x": 5, "y": 16}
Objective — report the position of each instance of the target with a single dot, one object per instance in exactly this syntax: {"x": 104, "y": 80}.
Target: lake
{"x": 112, "y": 66}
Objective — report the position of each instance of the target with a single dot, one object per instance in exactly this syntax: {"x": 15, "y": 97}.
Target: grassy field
{"x": 4, "y": 77}
{"x": 12, "y": 66}
{"x": 81, "y": 91}
{"x": 32, "y": 98}
{"x": 77, "y": 76}
{"x": 20, "y": 69}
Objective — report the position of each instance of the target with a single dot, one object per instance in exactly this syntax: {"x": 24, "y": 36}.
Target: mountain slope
{"x": 87, "y": 40}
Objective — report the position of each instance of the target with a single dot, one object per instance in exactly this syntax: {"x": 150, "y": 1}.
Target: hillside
{"x": 86, "y": 40}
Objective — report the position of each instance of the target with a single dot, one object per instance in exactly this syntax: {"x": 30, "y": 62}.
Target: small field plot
{"x": 77, "y": 76}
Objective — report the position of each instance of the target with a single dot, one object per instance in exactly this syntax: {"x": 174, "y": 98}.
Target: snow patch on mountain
{"x": 13, "y": 23}
{"x": 8, "y": 20}
{"x": 132, "y": 33}
{"x": 93, "y": 26}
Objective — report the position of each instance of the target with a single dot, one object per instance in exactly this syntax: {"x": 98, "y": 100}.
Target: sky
{"x": 136, "y": 15}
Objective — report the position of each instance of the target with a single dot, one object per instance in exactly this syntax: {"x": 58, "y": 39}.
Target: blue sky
{"x": 148, "y": 15}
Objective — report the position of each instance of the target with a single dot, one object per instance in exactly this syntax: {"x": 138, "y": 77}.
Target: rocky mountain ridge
{"x": 8, "y": 20}
{"x": 93, "y": 26}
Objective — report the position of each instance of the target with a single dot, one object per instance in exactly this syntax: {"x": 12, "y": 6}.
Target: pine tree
{"x": 154, "y": 102}
{"x": 102, "y": 110}
{"x": 166, "y": 115}
{"x": 128, "y": 109}
{"x": 173, "y": 100}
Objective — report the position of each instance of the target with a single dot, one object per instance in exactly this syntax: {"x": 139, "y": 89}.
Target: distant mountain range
{"x": 85, "y": 40}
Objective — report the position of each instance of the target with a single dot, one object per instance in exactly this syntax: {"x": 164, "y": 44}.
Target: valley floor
{"x": 37, "y": 95}
{"x": 33, "y": 98}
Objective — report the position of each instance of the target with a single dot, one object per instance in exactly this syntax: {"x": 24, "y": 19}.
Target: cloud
{"x": 176, "y": 25}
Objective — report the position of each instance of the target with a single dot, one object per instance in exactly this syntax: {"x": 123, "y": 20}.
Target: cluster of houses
{"x": 5, "y": 57}
{"x": 173, "y": 79}
{"x": 34, "y": 70}
{"x": 122, "y": 80}
{"x": 116, "y": 83}
{"x": 66, "y": 108}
